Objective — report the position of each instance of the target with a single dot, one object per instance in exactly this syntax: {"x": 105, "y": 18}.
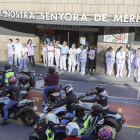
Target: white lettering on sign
{"x": 69, "y": 17}
{"x": 61, "y": 27}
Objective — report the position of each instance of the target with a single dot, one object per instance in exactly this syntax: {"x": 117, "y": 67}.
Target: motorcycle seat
{"x": 53, "y": 90}
{"x": 112, "y": 111}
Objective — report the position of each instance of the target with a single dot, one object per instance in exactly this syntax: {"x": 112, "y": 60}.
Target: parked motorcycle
{"x": 24, "y": 109}
{"x": 26, "y": 81}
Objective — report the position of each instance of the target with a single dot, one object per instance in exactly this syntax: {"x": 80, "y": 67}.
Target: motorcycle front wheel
{"x": 30, "y": 118}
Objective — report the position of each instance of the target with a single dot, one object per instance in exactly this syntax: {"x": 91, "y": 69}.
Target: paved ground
{"x": 15, "y": 130}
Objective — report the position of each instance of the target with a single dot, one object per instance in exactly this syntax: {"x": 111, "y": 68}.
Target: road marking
{"x": 120, "y": 110}
{"x": 39, "y": 113}
{"x": 36, "y": 98}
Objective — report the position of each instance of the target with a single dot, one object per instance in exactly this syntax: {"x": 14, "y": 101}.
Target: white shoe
{"x": 82, "y": 74}
{"x": 128, "y": 76}
{"x": 69, "y": 71}
{"x": 72, "y": 71}
{"x": 43, "y": 103}
{"x": 117, "y": 75}
{"x": 132, "y": 77}
{"x": 121, "y": 76}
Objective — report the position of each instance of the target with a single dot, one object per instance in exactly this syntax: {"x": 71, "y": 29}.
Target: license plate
{"x": 35, "y": 108}
{"x": 125, "y": 124}
{"x": 23, "y": 91}
{"x": 56, "y": 94}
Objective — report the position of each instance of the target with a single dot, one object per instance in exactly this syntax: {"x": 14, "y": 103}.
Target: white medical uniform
{"x": 131, "y": 62}
{"x": 24, "y": 58}
{"x": 137, "y": 62}
{"x": 78, "y": 52}
{"x": 72, "y": 59}
{"x": 63, "y": 57}
{"x": 45, "y": 55}
{"x": 50, "y": 56}
{"x": 57, "y": 56}
{"x": 119, "y": 62}
{"x": 10, "y": 53}
{"x": 17, "y": 50}
{"x": 110, "y": 61}
{"x": 83, "y": 60}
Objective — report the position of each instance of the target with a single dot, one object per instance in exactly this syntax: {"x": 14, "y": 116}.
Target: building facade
{"x": 104, "y": 22}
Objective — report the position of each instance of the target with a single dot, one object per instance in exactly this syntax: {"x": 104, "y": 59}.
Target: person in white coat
{"x": 83, "y": 59}
{"x": 137, "y": 62}
{"x": 50, "y": 54}
{"x": 110, "y": 60}
{"x": 72, "y": 58}
{"x": 78, "y": 52}
{"x": 131, "y": 55}
{"x": 57, "y": 55}
{"x": 10, "y": 51}
{"x": 120, "y": 61}
{"x": 45, "y": 53}
{"x": 23, "y": 59}
{"x": 17, "y": 51}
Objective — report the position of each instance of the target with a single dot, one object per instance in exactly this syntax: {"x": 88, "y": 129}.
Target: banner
{"x": 116, "y": 34}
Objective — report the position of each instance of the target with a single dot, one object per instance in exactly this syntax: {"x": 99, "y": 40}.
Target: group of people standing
{"x": 132, "y": 57}
{"x": 77, "y": 56}
{"x": 19, "y": 52}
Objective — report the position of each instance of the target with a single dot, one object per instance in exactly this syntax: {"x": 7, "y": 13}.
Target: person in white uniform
{"x": 63, "y": 56}
{"x": 23, "y": 59}
{"x": 131, "y": 55}
{"x": 45, "y": 54}
{"x": 57, "y": 55}
{"x": 137, "y": 62}
{"x": 17, "y": 49}
{"x": 50, "y": 54}
{"x": 78, "y": 52}
{"x": 110, "y": 60}
{"x": 120, "y": 61}
{"x": 72, "y": 58}
{"x": 10, "y": 51}
{"x": 83, "y": 59}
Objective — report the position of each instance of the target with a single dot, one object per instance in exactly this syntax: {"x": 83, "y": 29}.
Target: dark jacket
{"x": 13, "y": 90}
{"x": 101, "y": 98}
{"x": 3, "y": 76}
{"x": 52, "y": 79}
{"x": 70, "y": 99}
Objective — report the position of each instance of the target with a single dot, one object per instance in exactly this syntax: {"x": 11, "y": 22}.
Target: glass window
{"x": 137, "y": 34}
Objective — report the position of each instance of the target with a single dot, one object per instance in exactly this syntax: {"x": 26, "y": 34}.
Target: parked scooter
{"x": 24, "y": 109}
{"x": 26, "y": 80}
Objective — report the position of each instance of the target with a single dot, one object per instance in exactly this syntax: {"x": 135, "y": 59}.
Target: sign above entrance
{"x": 60, "y": 27}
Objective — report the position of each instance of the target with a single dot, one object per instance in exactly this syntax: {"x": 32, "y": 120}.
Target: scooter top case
{"x": 24, "y": 79}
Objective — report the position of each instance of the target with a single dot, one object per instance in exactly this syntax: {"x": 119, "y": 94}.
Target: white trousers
{"x": 63, "y": 63}
{"x": 10, "y": 57}
{"x": 109, "y": 68}
{"x": 78, "y": 65}
{"x": 57, "y": 60}
{"x": 23, "y": 61}
{"x": 45, "y": 58}
{"x": 71, "y": 65}
{"x": 131, "y": 68}
{"x": 119, "y": 68}
{"x": 83, "y": 67}
{"x": 138, "y": 74}
{"x": 50, "y": 61}
{"x": 17, "y": 56}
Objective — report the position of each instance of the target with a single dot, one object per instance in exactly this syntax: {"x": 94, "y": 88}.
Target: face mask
{"x": 9, "y": 42}
{"x": 63, "y": 44}
{"x": 74, "y": 112}
{"x": 131, "y": 48}
{"x": 72, "y": 46}
{"x": 122, "y": 50}
{"x": 44, "y": 42}
{"x": 137, "y": 52}
{"x": 22, "y": 46}
{"x": 30, "y": 42}
{"x": 51, "y": 44}
{"x": 110, "y": 51}
{"x": 17, "y": 42}
{"x": 81, "y": 46}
